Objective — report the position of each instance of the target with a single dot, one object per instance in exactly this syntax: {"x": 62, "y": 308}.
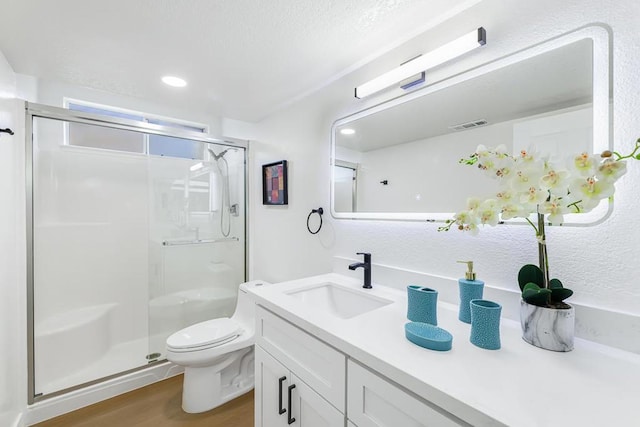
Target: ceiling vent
{"x": 468, "y": 125}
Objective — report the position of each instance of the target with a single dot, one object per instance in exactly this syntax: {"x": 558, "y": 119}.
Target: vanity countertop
{"x": 517, "y": 385}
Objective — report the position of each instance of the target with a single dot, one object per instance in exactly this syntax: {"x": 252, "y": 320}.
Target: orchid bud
{"x": 606, "y": 154}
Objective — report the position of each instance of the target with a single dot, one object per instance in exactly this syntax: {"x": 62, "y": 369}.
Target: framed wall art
{"x": 274, "y": 183}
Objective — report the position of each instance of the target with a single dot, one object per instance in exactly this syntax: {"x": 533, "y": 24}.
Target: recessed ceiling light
{"x": 347, "y": 131}
{"x": 174, "y": 81}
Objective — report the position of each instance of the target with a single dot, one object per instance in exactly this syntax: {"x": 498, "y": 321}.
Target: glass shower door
{"x": 197, "y": 239}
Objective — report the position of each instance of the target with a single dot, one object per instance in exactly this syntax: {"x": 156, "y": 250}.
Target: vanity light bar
{"x": 444, "y": 53}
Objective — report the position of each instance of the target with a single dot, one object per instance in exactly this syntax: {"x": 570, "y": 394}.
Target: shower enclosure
{"x": 135, "y": 230}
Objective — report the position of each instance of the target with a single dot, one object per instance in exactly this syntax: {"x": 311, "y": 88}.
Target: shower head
{"x": 215, "y": 156}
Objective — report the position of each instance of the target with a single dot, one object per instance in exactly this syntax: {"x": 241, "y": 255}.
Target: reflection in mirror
{"x": 399, "y": 160}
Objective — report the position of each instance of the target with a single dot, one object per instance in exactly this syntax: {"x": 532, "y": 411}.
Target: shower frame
{"x": 33, "y": 110}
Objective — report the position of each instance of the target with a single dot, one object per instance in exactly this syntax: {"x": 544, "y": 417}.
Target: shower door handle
{"x": 290, "y": 419}
{"x": 281, "y": 410}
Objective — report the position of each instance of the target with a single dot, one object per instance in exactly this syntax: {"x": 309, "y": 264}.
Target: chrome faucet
{"x": 366, "y": 265}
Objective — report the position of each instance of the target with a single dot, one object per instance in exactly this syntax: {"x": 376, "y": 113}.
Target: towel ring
{"x": 319, "y": 211}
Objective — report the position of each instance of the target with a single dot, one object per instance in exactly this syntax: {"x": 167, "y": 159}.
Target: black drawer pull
{"x": 281, "y": 410}
{"x": 290, "y": 419}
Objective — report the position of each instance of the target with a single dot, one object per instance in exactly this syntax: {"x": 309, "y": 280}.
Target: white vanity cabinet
{"x": 372, "y": 401}
{"x": 300, "y": 381}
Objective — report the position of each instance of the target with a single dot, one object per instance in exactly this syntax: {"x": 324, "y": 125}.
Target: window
{"x": 84, "y": 135}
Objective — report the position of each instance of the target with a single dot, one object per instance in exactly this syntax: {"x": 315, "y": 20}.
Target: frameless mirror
{"x": 399, "y": 160}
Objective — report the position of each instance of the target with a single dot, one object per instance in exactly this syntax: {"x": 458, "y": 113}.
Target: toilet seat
{"x": 204, "y": 335}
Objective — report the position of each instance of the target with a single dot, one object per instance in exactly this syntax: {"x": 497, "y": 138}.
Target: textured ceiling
{"x": 243, "y": 59}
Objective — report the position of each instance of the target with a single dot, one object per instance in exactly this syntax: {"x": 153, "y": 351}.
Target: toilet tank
{"x": 245, "y": 307}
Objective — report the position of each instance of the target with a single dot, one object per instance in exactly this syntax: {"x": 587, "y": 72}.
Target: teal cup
{"x": 468, "y": 291}
{"x": 422, "y": 304}
{"x": 485, "y": 324}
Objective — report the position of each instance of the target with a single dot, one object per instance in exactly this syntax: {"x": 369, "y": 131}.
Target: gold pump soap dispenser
{"x": 470, "y": 288}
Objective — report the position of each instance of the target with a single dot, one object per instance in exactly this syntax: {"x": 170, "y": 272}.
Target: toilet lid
{"x": 205, "y": 334}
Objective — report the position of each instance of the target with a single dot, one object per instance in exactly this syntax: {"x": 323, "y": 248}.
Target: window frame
{"x": 146, "y": 118}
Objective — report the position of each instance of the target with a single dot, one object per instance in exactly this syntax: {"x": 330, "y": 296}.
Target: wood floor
{"x": 156, "y": 405}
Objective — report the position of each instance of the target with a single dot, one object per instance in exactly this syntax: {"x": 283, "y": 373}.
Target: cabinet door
{"x": 272, "y": 381}
{"x": 372, "y": 401}
{"x": 283, "y": 400}
{"x": 311, "y": 410}
{"x": 316, "y": 363}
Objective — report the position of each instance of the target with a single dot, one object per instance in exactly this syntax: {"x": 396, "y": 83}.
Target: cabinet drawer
{"x": 314, "y": 362}
{"x": 374, "y": 402}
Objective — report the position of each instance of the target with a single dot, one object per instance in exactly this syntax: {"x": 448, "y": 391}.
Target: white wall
{"x": 599, "y": 263}
{"x": 7, "y": 79}
{"x": 280, "y": 245}
{"x": 12, "y": 254}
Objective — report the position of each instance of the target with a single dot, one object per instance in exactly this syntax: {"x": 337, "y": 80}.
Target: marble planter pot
{"x": 548, "y": 328}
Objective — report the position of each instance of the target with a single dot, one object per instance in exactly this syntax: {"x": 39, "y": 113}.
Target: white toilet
{"x": 217, "y": 356}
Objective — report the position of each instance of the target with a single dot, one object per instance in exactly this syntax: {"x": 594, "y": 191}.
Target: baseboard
{"x": 610, "y": 328}
{"x": 16, "y": 420}
{"x": 62, "y": 404}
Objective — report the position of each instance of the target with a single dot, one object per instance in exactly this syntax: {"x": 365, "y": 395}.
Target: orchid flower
{"x": 584, "y": 164}
{"x": 513, "y": 210}
{"x": 532, "y": 184}
{"x": 611, "y": 170}
{"x": 556, "y": 208}
{"x": 555, "y": 181}
{"x": 488, "y": 212}
{"x": 590, "y": 191}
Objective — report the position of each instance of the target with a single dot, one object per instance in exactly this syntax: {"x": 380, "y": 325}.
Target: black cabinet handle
{"x": 281, "y": 410}
{"x": 290, "y": 419}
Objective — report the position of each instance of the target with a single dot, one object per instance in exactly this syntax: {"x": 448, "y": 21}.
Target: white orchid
{"x": 488, "y": 212}
{"x": 555, "y": 181}
{"x": 533, "y": 184}
{"x": 513, "y": 210}
{"x": 525, "y": 177}
{"x": 589, "y": 191}
{"x": 533, "y": 196}
{"x": 473, "y": 203}
{"x": 555, "y": 207}
{"x": 535, "y": 187}
{"x": 585, "y": 164}
{"x": 611, "y": 170}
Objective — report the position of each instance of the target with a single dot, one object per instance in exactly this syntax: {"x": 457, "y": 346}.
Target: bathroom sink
{"x": 338, "y": 301}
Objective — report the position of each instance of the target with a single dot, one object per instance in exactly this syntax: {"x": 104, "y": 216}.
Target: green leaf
{"x": 555, "y": 284}
{"x": 558, "y": 292}
{"x": 638, "y": 156}
{"x": 562, "y": 294}
{"x": 530, "y": 274}
{"x": 534, "y": 294}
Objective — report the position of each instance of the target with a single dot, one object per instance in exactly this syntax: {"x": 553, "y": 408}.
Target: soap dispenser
{"x": 470, "y": 288}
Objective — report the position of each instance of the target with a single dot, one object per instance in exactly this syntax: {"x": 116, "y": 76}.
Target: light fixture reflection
{"x": 347, "y": 131}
